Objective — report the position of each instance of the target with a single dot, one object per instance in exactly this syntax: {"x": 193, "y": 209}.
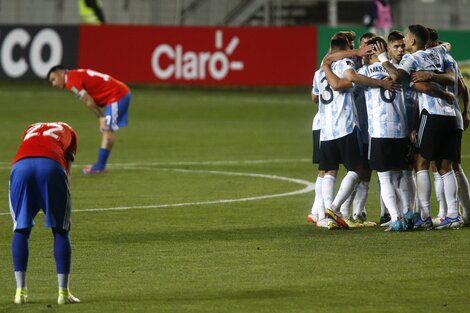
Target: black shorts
{"x": 437, "y": 137}
{"x": 346, "y": 150}
{"x": 387, "y": 154}
{"x": 316, "y": 146}
{"x": 459, "y": 146}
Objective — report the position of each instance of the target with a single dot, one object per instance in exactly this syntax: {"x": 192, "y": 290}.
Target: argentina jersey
{"x": 386, "y": 109}
{"x": 455, "y": 90}
{"x": 432, "y": 59}
{"x": 338, "y": 115}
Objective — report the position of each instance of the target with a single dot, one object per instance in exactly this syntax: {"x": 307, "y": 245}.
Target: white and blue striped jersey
{"x": 338, "y": 115}
{"x": 386, "y": 110}
{"x": 432, "y": 59}
{"x": 316, "y": 119}
{"x": 455, "y": 90}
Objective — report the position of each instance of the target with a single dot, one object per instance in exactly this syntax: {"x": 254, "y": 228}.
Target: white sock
{"x": 348, "y": 184}
{"x": 318, "y": 206}
{"x": 415, "y": 198}
{"x": 20, "y": 278}
{"x": 401, "y": 186}
{"x": 450, "y": 191}
{"x": 347, "y": 205}
{"x": 387, "y": 193}
{"x": 63, "y": 280}
{"x": 409, "y": 181}
{"x": 318, "y": 200}
{"x": 328, "y": 190}
{"x": 423, "y": 190}
{"x": 464, "y": 193}
{"x": 359, "y": 203}
{"x": 383, "y": 208}
{"x": 439, "y": 190}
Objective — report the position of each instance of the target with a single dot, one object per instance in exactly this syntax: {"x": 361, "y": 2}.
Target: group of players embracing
{"x": 392, "y": 106}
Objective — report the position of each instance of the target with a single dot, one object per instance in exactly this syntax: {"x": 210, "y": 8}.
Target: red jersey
{"x": 50, "y": 140}
{"x": 103, "y": 88}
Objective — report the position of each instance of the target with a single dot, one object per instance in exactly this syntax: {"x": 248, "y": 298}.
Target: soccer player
{"x": 463, "y": 119}
{"x": 437, "y": 137}
{"x": 106, "y": 96}
{"x": 40, "y": 180}
{"x": 339, "y": 132}
{"x": 389, "y": 143}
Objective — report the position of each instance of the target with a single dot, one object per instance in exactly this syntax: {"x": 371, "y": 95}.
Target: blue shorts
{"x": 116, "y": 113}
{"x": 39, "y": 184}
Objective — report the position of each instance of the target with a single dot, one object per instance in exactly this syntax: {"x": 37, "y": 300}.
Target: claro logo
{"x": 173, "y": 62}
{"x": 18, "y": 40}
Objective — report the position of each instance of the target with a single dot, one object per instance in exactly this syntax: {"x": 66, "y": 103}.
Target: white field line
{"x": 309, "y": 186}
{"x": 7, "y": 165}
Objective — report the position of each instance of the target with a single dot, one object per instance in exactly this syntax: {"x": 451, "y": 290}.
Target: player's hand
{"x": 449, "y": 97}
{"x": 379, "y": 48}
{"x": 366, "y": 50}
{"x": 421, "y": 76}
{"x": 103, "y": 126}
{"x": 389, "y": 84}
{"x": 413, "y": 135}
{"x": 466, "y": 119}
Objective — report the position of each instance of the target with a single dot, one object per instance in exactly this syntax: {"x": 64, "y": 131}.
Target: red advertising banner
{"x": 242, "y": 56}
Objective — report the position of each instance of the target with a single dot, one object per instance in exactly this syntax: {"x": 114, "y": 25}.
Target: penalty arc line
{"x": 308, "y": 188}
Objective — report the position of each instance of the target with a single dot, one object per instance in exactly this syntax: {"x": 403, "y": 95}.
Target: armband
{"x": 383, "y": 57}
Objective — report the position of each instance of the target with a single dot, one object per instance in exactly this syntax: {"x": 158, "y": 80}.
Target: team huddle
{"x": 383, "y": 109}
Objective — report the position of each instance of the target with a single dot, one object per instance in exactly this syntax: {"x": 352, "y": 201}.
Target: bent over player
{"x": 39, "y": 179}
{"x": 106, "y": 96}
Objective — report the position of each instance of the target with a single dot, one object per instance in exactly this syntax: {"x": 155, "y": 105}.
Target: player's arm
{"x": 434, "y": 90}
{"x": 314, "y": 98}
{"x": 360, "y": 79}
{"x": 334, "y": 81}
{"x": 446, "y": 79}
{"x": 338, "y": 55}
{"x": 396, "y": 74}
{"x": 464, "y": 94}
{"x": 91, "y": 104}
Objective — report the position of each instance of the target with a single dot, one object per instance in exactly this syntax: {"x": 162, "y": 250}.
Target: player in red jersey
{"x": 106, "y": 96}
{"x": 39, "y": 179}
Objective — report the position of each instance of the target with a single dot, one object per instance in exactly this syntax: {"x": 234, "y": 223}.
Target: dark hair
{"x": 367, "y": 35}
{"x": 433, "y": 35}
{"x": 350, "y": 35}
{"x": 55, "y": 68}
{"x": 339, "y": 43}
{"x": 420, "y": 33}
{"x": 395, "y": 35}
{"x": 377, "y": 39}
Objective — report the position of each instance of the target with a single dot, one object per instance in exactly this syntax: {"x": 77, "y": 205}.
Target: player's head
{"x": 339, "y": 43}
{"x": 56, "y": 76}
{"x": 396, "y": 45}
{"x": 364, "y": 38}
{"x": 416, "y": 37}
{"x": 349, "y": 35}
{"x": 373, "y": 41}
{"x": 433, "y": 38}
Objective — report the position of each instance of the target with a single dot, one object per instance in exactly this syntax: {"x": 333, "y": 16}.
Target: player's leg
{"x": 20, "y": 253}
{"x": 57, "y": 208}
{"x": 462, "y": 181}
{"x": 440, "y": 196}
{"x": 63, "y": 256}
{"x": 329, "y": 165}
{"x": 25, "y": 201}
{"x": 116, "y": 115}
{"x": 318, "y": 199}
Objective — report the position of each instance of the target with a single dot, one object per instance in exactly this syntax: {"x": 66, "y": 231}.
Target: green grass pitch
{"x": 154, "y": 234}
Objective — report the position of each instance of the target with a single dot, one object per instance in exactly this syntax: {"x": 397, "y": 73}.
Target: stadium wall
{"x": 215, "y": 56}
